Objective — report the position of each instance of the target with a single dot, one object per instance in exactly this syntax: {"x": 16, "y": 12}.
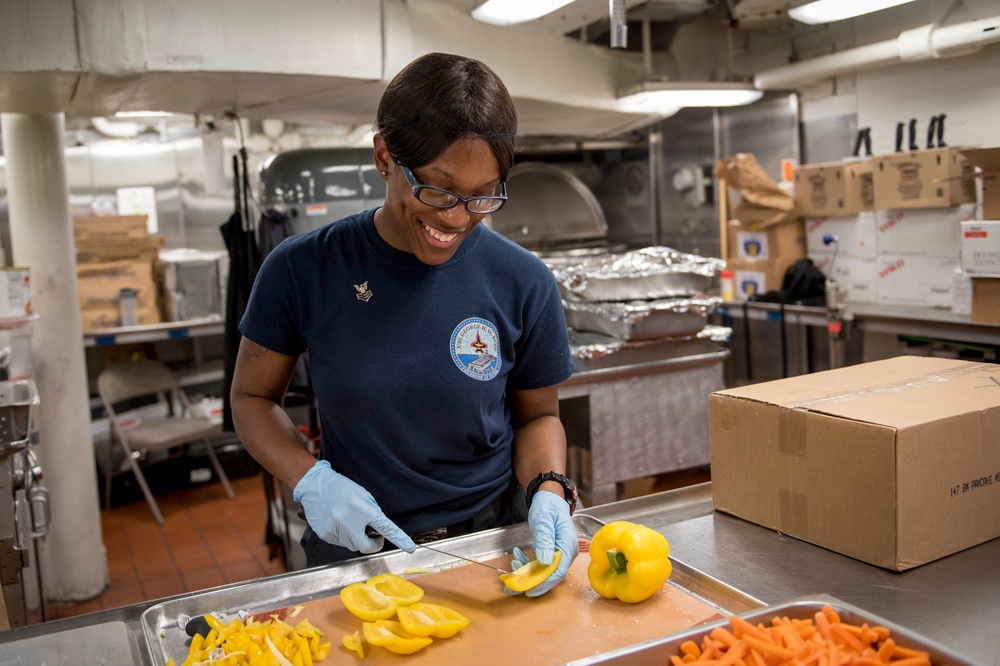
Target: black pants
{"x": 509, "y": 508}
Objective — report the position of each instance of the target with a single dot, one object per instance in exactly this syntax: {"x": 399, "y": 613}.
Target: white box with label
{"x": 931, "y": 232}
{"x": 856, "y": 277}
{"x": 981, "y": 247}
{"x": 856, "y": 235}
{"x": 916, "y": 280}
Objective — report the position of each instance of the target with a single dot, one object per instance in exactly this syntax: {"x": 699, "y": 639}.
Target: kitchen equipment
{"x": 372, "y": 533}
{"x": 593, "y": 351}
{"x": 646, "y": 273}
{"x": 659, "y": 650}
{"x": 641, "y": 320}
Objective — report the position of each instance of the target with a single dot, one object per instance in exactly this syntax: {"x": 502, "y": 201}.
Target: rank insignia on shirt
{"x": 364, "y": 293}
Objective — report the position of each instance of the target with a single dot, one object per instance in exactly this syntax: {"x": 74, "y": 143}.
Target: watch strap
{"x": 569, "y": 488}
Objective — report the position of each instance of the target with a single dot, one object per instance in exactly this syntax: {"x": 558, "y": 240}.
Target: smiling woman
{"x": 435, "y": 344}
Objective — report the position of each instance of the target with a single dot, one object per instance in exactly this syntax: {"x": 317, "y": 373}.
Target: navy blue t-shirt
{"x": 409, "y": 362}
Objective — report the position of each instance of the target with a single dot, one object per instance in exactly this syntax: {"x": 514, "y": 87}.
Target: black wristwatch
{"x": 569, "y": 488}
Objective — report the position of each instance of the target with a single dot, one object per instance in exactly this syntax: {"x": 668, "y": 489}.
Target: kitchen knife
{"x": 372, "y": 533}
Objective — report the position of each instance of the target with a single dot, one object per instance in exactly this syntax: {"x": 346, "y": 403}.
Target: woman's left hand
{"x": 551, "y": 530}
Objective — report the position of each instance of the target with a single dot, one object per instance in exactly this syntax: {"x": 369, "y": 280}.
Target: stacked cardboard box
{"x": 115, "y": 253}
{"x": 765, "y": 236}
{"x": 980, "y": 241}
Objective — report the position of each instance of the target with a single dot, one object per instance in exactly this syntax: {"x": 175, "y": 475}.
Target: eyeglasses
{"x": 440, "y": 198}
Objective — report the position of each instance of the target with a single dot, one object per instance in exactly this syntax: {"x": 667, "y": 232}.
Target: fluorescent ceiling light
{"x": 509, "y": 12}
{"x": 828, "y": 11}
{"x": 650, "y": 97}
{"x": 143, "y": 114}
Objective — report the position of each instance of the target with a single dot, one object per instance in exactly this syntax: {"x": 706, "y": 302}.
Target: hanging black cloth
{"x": 244, "y": 262}
{"x": 274, "y": 226}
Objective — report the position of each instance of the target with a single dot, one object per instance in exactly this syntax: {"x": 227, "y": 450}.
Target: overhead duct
{"x": 924, "y": 43}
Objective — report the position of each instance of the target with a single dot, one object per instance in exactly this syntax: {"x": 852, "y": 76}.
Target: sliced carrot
{"x": 690, "y": 647}
{"x": 900, "y": 651}
{"x": 846, "y": 636}
{"x": 923, "y": 660}
{"x": 676, "y": 661}
{"x": 743, "y": 628}
{"x": 723, "y": 635}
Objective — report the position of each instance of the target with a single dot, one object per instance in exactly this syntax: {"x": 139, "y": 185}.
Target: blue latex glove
{"x": 338, "y": 510}
{"x": 552, "y": 529}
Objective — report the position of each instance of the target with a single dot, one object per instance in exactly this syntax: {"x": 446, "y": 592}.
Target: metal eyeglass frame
{"x": 419, "y": 187}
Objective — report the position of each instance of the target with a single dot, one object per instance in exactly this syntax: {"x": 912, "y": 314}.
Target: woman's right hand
{"x": 339, "y": 510}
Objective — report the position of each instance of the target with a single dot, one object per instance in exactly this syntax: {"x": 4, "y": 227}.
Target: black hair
{"x": 440, "y": 98}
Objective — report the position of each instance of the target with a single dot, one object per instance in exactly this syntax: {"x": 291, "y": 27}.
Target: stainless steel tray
{"x": 165, "y": 637}
{"x": 641, "y": 320}
{"x": 593, "y": 351}
{"x": 658, "y": 651}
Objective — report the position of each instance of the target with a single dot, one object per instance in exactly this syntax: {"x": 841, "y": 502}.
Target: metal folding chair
{"x": 128, "y": 381}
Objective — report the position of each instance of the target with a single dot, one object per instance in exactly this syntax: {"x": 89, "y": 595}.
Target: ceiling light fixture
{"x": 829, "y": 11}
{"x": 143, "y": 114}
{"x": 510, "y": 12}
{"x": 653, "y": 96}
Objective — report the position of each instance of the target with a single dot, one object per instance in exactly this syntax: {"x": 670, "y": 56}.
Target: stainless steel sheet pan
{"x": 641, "y": 320}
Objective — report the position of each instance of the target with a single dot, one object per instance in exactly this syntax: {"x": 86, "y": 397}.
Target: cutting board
{"x": 569, "y": 622}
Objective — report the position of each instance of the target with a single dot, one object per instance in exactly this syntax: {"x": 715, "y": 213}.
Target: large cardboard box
{"x": 986, "y": 301}
{"x": 834, "y": 189}
{"x": 932, "y": 232}
{"x": 934, "y": 178}
{"x": 100, "y": 284}
{"x": 753, "y": 278}
{"x": 988, "y": 159}
{"x": 110, "y": 228}
{"x": 129, "y": 249}
{"x": 894, "y": 462}
{"x": 748, "y": 241}
{"x": 856, "y": 235}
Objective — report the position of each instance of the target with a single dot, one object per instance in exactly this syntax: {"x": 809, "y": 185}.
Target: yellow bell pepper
{"x": 422, "y": 619}
{"x": 531, "y": 574}
{"x": 391, "y": 635}
{"x": 353, "y": 642}
{"x": 379, "y": 596}
{"x": 628, "y": 561}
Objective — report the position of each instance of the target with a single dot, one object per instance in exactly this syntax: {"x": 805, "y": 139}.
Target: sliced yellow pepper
{"x": 531, "y": 574}
{"x": 423, "y": 619}
{"x": 628, "y": 561}
{"x": 379, "y": 596}
{"x": 391, "y": 635}
{"x": 353, "y": 642}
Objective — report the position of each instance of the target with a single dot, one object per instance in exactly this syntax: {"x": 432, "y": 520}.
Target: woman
{"x": 435, "y": 344}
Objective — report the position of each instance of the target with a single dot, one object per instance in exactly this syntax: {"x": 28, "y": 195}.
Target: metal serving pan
{"x": 658, "y": 651}
{"x": 641, "y": 320}
{"x": 593, "y": 351}
{"x": 648, "y": 273}
{"x": 165, "y": 637}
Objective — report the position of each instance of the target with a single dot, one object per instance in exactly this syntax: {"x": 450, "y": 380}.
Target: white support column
{"x": 73, "y": 559}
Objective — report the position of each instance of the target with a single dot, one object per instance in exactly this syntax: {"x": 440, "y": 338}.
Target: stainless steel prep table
{"x": 952, "y": 601}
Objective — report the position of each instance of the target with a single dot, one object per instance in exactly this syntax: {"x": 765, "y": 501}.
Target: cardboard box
{"x": 916, "y": 280}
{"x": 934, "y": 178}
{"x": 893, "y": 463}
{"x": 933, "y": 232}
{"x": 753, "y": 278}
{"x": 856, "y": 277}
{"x": 988, "y": 159}
{"x": 101, "y": 318}
{"x": 856, "y": 235}
{"x": 129, "y": 249}
{"x": 110, "y": 228}
{"x": 834, "y": 189}
{"x": 980, "y": 247}
{"x": 986, "y": 301}
{"x": 99, "y": 284}
{"x": 747, "y": 241}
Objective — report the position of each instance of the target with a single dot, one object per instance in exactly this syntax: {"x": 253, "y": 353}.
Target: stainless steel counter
{"x": 951, "y": 601}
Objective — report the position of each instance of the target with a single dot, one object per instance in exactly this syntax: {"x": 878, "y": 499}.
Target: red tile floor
{"x": 208, "y": 539}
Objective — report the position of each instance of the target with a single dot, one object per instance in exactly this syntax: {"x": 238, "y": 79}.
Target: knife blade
{"x": 372, "y": 533}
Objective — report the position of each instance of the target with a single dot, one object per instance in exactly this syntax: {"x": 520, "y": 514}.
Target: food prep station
{"x": 948, "y": 606}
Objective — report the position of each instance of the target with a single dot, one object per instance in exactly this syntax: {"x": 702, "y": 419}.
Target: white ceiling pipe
{"x": 923, "y": 43}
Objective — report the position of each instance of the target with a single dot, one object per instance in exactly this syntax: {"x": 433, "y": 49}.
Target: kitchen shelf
{"x": 167, "y": 331}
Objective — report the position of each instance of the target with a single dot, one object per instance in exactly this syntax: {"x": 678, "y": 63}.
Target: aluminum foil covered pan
{"x": 641, "y": 320}
{"x": 592, "y": 351}
{"x": 648, "y": 273}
